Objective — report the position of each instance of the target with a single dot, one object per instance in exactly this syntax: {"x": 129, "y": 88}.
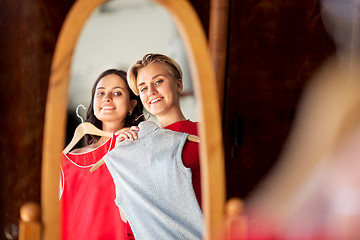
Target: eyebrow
{"x": 112, "y": 88}
{"x": 158, "y": 75}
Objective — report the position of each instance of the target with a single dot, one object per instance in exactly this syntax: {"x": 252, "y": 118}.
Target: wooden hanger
{"x": 83, "y": 129}
{"x": 191, "y": 138}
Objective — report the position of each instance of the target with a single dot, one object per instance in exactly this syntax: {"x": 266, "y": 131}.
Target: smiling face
{"x": 159, "y": 91}
{"x": 112, "y": 100}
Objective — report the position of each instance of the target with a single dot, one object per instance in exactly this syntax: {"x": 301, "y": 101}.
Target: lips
{"x": 156, "y": 100}
{"x": 107, "y": 108}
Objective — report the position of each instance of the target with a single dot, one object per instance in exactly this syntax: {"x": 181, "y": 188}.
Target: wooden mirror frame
{"x": 211, "y": 146}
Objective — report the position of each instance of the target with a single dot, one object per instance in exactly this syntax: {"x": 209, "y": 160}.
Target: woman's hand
{"x": 128, "y": 133}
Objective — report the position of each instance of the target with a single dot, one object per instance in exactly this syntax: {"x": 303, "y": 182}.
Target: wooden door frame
{"x": 211, "y": 146}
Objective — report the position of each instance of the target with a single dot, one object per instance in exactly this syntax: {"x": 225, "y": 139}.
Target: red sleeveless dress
{"x": 87, "y": 199}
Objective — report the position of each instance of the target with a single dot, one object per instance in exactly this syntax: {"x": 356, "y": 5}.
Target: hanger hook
{"x": 77, "y": 112}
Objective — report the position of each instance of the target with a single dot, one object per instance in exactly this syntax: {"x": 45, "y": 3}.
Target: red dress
{"x": 190, "y": 157}
{"x": 87, "y": 200}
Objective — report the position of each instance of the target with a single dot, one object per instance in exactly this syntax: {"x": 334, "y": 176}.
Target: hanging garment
{"x": 87, "y": 203}
{"x": 153, "y": 187}
{"x": 190, "y": 153}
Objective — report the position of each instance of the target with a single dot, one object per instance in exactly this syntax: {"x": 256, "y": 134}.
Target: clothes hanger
{"x": 83, "y": 129}
{"x": 191, "y": 138}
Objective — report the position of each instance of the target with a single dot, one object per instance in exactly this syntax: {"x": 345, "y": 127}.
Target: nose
{"x": 152, "y": 89}
{"x": 107, "y": 97}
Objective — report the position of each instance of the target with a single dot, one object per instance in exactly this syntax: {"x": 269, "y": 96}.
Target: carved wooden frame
{"x": 211, "y": 146}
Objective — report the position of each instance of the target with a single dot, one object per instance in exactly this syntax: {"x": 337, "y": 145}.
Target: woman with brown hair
{"x": 87, "y": 200}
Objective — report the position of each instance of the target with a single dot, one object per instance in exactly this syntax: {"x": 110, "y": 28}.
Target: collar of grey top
{"x": 146, "y": 127}
{"x": 149, "y": 126}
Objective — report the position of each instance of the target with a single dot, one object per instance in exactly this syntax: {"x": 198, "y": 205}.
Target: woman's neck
{"x": 168, "y": 119}
{"x": 112, "y": 126}
{"x": 108, "y": 127}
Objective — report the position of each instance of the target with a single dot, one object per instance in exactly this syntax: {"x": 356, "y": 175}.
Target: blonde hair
{"x": 172, "y": 66}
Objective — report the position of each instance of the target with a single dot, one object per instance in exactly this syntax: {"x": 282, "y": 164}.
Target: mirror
{"x": 115, "y": 35}
{"x": 211, "y": 149}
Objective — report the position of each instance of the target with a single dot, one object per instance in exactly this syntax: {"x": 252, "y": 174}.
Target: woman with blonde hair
{"x": 157, "y": 79}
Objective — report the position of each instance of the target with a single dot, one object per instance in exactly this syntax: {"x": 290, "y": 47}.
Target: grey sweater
{"x": 153, "y": 187}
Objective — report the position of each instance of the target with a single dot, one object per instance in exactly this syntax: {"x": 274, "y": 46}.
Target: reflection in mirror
{"x": 118, "y": 33}
{"x": 204, "y": 82}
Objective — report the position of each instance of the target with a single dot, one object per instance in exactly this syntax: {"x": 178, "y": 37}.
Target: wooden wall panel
{"x": 29, "y": 31}
{"x": 202, "y": 8}
{"x": 274, "y": 48}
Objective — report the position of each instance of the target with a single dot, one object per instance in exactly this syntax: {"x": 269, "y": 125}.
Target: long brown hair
{"x": 131, "y": 120}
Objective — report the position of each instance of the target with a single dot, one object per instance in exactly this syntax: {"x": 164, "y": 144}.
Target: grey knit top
{"x": 153, "y": 187}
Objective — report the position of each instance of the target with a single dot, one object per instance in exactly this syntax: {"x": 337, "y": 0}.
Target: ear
{"x": 179, "y": 85}
{"x": 132, "y": 104}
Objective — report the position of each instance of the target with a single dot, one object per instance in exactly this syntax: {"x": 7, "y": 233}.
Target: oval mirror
{"x": 211, "y": 150}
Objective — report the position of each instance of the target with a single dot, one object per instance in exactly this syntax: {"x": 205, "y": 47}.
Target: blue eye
{"x": 158, "y": 81}
{"x": 143, "y": 89}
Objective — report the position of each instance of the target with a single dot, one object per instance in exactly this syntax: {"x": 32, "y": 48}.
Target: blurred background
{"x": 273, "y": 48}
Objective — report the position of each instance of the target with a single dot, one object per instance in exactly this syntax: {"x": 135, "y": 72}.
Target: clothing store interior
{"x": 272, "y": 88}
